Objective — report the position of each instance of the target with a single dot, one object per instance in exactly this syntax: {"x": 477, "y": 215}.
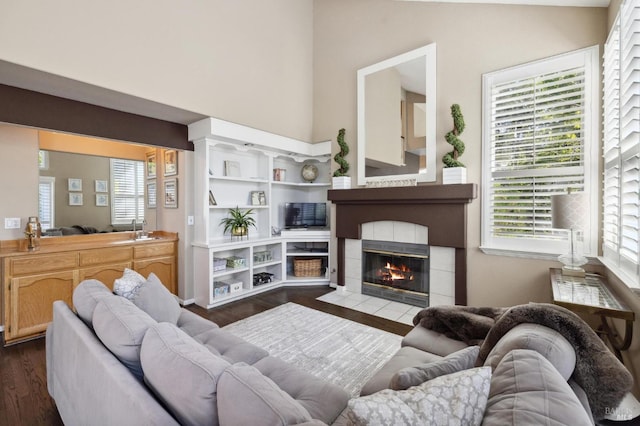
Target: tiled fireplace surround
{"x": 429, "y": 214}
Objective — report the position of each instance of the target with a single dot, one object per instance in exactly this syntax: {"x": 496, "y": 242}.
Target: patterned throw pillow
{"x": 455, "y": 399}
{"x": 129, "y": 284}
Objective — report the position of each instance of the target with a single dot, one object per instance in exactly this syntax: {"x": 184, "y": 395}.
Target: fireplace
{"x": 396, "y": 271}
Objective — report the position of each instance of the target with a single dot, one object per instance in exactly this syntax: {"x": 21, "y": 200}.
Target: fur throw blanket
{"x": 600, "y": 374}
{"x": 466, "y": 323}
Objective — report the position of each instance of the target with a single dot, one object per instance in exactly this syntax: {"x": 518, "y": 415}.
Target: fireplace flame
{"x": 391, "y": 273}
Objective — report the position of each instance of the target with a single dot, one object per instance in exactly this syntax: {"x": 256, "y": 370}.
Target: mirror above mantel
{"x": 397, "y": 118}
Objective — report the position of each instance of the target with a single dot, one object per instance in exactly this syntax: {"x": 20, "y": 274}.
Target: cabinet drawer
{"x": 43, "y": 263}
{"x": 153, "y": 250}
{"x": 105, "y": 255}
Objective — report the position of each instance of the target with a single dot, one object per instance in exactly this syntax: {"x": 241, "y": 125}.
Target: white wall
{"x": 246, "y": 61}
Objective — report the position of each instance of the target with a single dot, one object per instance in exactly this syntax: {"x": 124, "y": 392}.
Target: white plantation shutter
{"x": 621, "y": 144}
{"x": 46, "y": 199}
{"x": 127, "y": 191}
{"x": 537, "y": 140}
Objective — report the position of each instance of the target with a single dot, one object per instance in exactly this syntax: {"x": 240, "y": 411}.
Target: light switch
{"x": 11, "y": 223}
{"x": 190, "y": 220}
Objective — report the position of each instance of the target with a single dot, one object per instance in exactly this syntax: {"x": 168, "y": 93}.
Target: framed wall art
{"x": 102, "y": 186}
{"x": 151, "y": 195}
{"x": 102, "y": 200}
{"x": 75, "y": 199}
{"x": 170, "y": 162}
{"x": 171, "y": 193}
{"x": 151, "y": 164}
{"x": 75, "y": 184}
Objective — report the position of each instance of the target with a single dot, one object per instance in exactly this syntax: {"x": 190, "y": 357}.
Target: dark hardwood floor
{"x": 23, "y": 378}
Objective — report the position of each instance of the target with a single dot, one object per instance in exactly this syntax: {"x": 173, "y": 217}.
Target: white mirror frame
{"x": 429, "y": 52}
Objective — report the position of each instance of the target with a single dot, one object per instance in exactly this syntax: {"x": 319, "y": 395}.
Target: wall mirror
{"x": 397, "y": 118}
{"x": 82, "y": 191}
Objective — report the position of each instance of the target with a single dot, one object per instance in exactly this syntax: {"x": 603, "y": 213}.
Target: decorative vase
{"x": 452, "y": 175}
{"x": 239, "y": 231}
{"x": 341, "y": 182}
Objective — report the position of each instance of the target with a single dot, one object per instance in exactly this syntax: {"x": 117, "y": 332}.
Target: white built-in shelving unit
{"x": 232, "y": 162}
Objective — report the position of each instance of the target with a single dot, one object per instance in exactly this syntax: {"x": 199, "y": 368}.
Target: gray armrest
{"x": 431, "y": 341}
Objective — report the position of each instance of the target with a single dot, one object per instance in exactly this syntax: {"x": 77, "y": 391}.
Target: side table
{"x": 590, "y": 295}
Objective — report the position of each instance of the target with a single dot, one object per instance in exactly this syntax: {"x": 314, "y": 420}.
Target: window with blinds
{"x": 127, "y": 191}
{"x": 46, "y": 206}
{"x": 621, "y": 142}
{"x": 537, "y": 139}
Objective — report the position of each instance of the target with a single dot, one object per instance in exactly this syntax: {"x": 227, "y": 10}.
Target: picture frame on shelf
{"x": 75, "y": 199}
{"x": 170, "y": 162}
{"x": 258, "y": 198}
{"x": 151, "y": 165}
{"x": 102, "y": 185}
{"x": 212, "y": 199}
{"x": 151, "y": 195}
{"x": 231, "y": 168}
{"x": 102, "y": 200}
{"x": 171, "y": 193}
{"x": 75, "y": 184}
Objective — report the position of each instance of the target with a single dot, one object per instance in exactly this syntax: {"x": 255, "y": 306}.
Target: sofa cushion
{"x": 246, "y": 397}
{"x": 526, "y": 389}
{"x": 413, "y": 376}
{"x": 458, "y": 398}
{"x": 194, "y": 324}
{"x": 182, "y": 373}
{"x": 231, "y": 347}
{"x": 431, "y": 341}
{"x": 120, "y": 325}
{"x": 406, "y": 356}
{"x": 86, "y": 297}
{"x": 547, "y": 342}
{"x": 154, "y": 298}
{"x": 128, "y": 285}
{"x": 323, "y": 400}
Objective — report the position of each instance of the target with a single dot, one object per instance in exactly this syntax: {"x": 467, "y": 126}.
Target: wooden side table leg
{"x": 618, "y": 344}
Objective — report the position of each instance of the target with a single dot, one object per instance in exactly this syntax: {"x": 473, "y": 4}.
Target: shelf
{"x": 305, "y": 253}
{"x": 239, "y": 179}
{"x": 229, "y": 271}
{"x": 248, "y": 206}
{"x": 266, "y": 264}
{"x": 303, "y": 184}
{"x": 293, "y": 278}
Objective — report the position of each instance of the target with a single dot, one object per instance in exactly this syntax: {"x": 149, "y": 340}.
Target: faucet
{"x": 133, "y": 222}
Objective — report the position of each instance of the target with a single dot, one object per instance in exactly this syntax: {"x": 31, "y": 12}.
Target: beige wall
{"x": 471, "y": 40}
{"x": 246, "y": 61}
{"x": 18, "y": 177}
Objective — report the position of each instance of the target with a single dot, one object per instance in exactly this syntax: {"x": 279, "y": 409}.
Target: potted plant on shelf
{"x": 340, "y": 179}
{"x": 454, "y": 171}
{"x": 238, "y": 222}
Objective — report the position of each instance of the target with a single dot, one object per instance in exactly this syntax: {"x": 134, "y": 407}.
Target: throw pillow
{"x": 183, "y": 374}
{"x": 129, "y": 284}
{"x": 263, "y": 402}
{"x": 120, "y": 325}
{"x": 86, "y": 297}
{"x": 154, "y": 298}
{"x": 527, "y": 390}
{"x": 452, "y": 363}
{"x": 458, "y": 398}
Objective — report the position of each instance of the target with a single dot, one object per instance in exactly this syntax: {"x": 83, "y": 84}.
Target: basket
{"x": 307, "y": 267}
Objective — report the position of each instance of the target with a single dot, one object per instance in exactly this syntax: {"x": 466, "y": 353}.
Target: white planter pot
{"x": 341, "y": 182}
{"x": 454, "y": 175}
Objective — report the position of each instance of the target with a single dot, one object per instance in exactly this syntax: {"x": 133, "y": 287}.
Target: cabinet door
{"x": 163, "y": 267}
{"x": 32, "y": 300}
{"x": 106, "y": 274}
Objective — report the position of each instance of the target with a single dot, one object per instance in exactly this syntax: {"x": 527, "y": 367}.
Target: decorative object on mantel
{"x": 454, "y": 171}
{"x": 340, "y": 179}
{"x": 386, "y": 182}
{"x": 309, "y": 172}
{"x": 238, "y": 222}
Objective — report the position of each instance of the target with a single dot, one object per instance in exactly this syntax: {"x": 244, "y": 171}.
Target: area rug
{"x": 335, "y": 349}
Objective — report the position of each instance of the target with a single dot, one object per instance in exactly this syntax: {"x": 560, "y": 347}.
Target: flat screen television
{"x": 304, "y": 215}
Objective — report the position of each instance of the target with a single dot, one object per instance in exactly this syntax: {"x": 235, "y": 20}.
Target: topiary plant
{"x": 340, "y": 156}
{"x": 451, "y": 158}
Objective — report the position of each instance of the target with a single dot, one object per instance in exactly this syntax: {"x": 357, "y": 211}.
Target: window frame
{"x": 531, "y": 247}
{"x": 139, "y": 196}
{"x": 616, "y": 151}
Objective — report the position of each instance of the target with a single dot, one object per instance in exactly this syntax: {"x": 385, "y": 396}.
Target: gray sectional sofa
{"x": 116, "y": 364}
{"x": 149, "y": 361}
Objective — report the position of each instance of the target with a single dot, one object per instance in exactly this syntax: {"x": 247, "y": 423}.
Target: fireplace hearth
{"x": 396, "y": 271}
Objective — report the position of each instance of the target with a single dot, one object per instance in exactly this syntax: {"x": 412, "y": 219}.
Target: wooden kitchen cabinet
{"x": 32, "y": 281}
